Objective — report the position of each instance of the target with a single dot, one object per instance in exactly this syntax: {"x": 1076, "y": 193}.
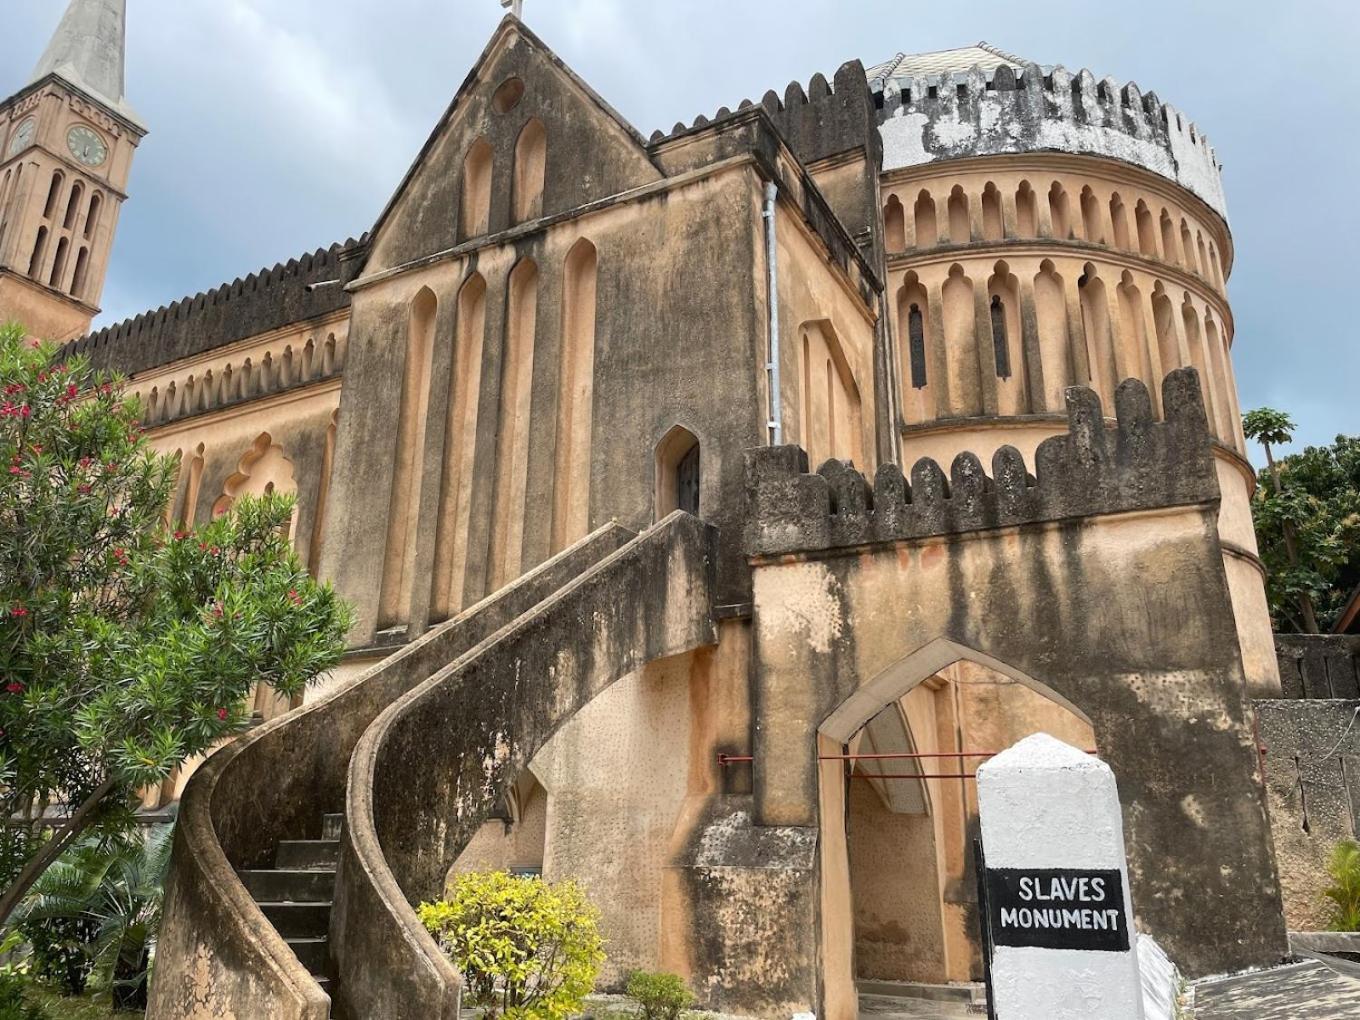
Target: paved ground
{"x": 881, "y": 1007}
{"x": 1303, "y": 991}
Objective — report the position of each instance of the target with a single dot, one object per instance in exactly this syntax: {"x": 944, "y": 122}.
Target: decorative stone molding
{"x": 1141, "y": 464}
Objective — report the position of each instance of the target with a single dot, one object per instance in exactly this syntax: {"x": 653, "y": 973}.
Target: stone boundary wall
{"x": 1140, "y": 464}
{"x": 1310, "y": 761}
{"x": 1319, "y": 665}
{"x": 264, "y": 300}
{"x": 980, "y": 113}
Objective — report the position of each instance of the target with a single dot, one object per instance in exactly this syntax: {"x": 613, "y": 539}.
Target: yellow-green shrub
{"x": 527, "y": 949}
{"x": 662, "y": 996}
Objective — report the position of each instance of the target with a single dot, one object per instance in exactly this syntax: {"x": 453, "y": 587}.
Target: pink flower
{"x": 72, "y": 391}
{"x": 84, "y": 490}
{"x": 25, "y": 412}
{"x": 18, "y": 611}
{"x": 222, "y": 714}
{"x": 294, "y": 597}
{"x": 14, "y": 687}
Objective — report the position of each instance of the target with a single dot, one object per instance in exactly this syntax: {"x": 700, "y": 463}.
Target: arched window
{"x": 894, "y": 224}
{"x": 1058, "y": 212}
{"x": 959, "y": 230}
{"x": 475, "y": 212}
{"x": 1026, "y": 211}
{"x": 1090, "y": 217}
{"x": 912, "y": 316}
{"x": 1169, "y": 253}
{"x": 59, "y": 263}
{"x": 916, "y": 340}
{"x": 1000, "y": 341}
{"x": 82, "y": 269}
{"x": 394, "y": 602}
{"x": 73, "y": 206}
{"x": 531, "y": 160}
{"x": 1119, "y": 222}
{"x": 92, "y": 218}
{"x": 571, "y": 478}
{"x": 53, "y": 193}
{"x": 927, "y": 233}
{"x": 1147, "y": 232}
{"x": 1188, "y": 248}
{"x": 678, "y": 473}
{"x": 1203, "y": 256}
{"x": 992, "y": 226}
{"x": 39, "y": 250}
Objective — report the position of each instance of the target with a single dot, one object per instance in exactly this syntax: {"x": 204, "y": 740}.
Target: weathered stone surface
{"x": 1310, "y": 764}
{"x": 962, "y": 114}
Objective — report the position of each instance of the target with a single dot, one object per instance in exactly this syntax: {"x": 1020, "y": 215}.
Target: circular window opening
{"x": 508, "y": 95}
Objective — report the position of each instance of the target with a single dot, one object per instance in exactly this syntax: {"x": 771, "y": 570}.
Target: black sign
{"x": 1061, "y": 908}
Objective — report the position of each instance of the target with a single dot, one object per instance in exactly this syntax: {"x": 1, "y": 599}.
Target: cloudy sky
{"x": 279, "y": 127}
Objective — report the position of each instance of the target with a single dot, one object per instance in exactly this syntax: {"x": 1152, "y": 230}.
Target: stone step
{"x": 331, "y": 826}
{"x": 308, "y": 854}
{"x": 298, "y": 920}
{"x": 290, "y": 886}
{"x": 312, "y": 953}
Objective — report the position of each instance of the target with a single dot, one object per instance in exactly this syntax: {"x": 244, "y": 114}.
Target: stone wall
{"x": 1310, "y": 744}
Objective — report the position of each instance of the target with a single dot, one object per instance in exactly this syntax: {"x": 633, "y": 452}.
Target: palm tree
{"x": 118, "y": 886}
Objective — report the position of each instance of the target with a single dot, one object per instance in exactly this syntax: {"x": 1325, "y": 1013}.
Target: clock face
{"x": 22, "y": 137}
{"x": 86, "y": 145}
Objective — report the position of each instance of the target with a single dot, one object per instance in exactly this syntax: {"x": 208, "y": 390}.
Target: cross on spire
{"x": 515, "y": 7}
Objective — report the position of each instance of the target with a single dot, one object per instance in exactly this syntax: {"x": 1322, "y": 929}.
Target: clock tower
{"x": 67, "y": 139}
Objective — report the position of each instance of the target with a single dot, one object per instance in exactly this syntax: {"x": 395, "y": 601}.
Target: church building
{"x": 712, "y": 504}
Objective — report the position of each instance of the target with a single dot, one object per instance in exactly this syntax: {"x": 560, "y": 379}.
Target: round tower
{"x": 1045, "y": 229}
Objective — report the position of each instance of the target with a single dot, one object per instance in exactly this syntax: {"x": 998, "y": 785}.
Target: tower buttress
{"x": 67, "y": 140}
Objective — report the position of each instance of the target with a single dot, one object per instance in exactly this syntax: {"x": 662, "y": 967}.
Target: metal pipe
{"x": 912, "y": 775}
{"x": 776, "y": 421}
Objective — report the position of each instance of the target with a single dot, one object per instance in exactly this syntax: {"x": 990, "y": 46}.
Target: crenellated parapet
{"x": 291, "y": 291}
{"x": 824, "y": 119}
{"x": 1137, "y": 464}
{"x": 1033, "y": 109}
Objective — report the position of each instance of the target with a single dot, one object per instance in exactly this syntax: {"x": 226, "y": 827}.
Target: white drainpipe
{"x": 776, "y": 422}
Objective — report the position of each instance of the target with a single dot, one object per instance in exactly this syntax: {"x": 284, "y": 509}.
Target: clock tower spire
{"x": 67, "y": 139}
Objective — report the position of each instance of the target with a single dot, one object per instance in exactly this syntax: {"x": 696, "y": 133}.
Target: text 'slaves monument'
{"x": 982, "y": 299}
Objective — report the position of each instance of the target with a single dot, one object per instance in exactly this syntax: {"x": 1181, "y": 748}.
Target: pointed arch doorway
{"x": 899, "y": 812}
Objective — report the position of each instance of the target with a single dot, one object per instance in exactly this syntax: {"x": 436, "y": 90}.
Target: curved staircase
{"x": 303, "y": 845}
